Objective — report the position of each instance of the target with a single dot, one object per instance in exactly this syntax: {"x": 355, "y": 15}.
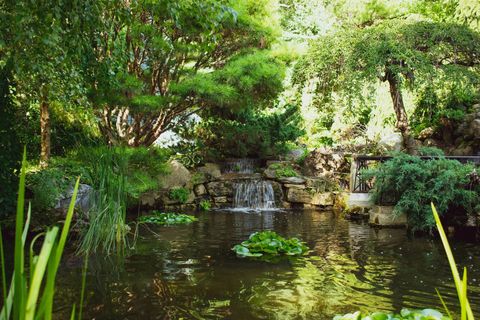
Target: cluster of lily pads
{"x": 269, "y": 243}
{"x": 167, "y": 218}
{"x": 405, "y": 314}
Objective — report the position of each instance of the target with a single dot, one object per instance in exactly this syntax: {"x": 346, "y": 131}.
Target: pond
{"x": 190, "y": 272}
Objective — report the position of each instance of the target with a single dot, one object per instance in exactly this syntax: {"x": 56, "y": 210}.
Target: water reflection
{"x": 189, "y": 272}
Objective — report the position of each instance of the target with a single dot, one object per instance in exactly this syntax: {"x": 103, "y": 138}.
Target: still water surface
{"x": 189, "y": 272}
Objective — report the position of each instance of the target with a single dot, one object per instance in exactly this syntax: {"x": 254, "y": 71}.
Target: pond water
{"x": 189, "y": 272}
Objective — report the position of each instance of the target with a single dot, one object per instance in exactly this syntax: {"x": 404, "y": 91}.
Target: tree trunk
{"x": 44, "y": 132}
{"x": 402, "y": 119}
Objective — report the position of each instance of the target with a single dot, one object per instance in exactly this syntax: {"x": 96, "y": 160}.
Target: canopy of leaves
{"x": 414, "y": 51}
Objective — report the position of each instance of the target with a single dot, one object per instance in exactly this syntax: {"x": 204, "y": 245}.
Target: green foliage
{"x": 31, "y": 292}
{"x": 205, "y": 205}
{"x": 166, "y": 60}
{"x": 167, "y": 218}
{"x": 412, "y": 183}
{"x": 283, "y": 170}
{"x": 269, "y": 243}
{"x": 405, "y": 314}
{"x": 107, "y": 229}
{"x": 9, "y": 144}
{"x": 179, "y": 194}
{"x": 248, "y": 133}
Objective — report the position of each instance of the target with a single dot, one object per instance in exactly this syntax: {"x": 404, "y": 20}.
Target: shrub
{"x": 205, "y": 205}
{"x": 412, "y": 183}
{"x": 283, "y": 170}
{"x": 269, "y": 243}
{"x": 179, "y": 194}
{"x": 167, "y": 218}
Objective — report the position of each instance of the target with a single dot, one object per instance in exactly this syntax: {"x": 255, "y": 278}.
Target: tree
{"x": 160, "y": 62}
{"x": 47, "y": 43}
{"x": 405, "y": 54}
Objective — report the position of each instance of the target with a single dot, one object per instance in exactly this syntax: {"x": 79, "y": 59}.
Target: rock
{"x": 211, "y": 170}
{"x": 298, "y": 186}
{"x": 269, "y": 174}
{"x": 362, "y": 200}
{"x": 324, "y": 199}
{"x": 299, "y": 195}
{"x": 324, "y": 162}
{"x": 178, "y": 176}
{"x": 383, "y": 216}
{"x": 218, "y": 200}
{"x": 220, "y": 188}
{"x": 292, "y": 180}
{"x": 82, "y": 202}
{"x": 294, "y": 155}
{"x": 392, "y": 142}
{"x": 200, "y": 190}
{"x": 357, "y": 213}
{"x": 426, "y": 133}
{"x": 474, "y": 129}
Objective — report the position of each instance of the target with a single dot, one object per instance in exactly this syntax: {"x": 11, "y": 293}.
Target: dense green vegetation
{"x": 112, "y": 91}
{"x": 411, "y": 184}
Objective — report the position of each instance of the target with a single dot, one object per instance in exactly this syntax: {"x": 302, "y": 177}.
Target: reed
{"x": 30, "y": 295}
{"x": 460, "y": 282}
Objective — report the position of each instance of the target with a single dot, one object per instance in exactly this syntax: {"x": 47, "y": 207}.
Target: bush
{"x": 179, "y": 194}
{"x": 269, "y": 243}
{"x": 283, "y": 170}
{"x": 412, "y": 183}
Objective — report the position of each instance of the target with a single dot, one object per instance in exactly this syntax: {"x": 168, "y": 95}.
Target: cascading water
{"x": 254, "y": 195}
{"x": 241, "y": 166}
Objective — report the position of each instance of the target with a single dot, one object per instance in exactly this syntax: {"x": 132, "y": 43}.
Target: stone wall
{"x": 207, "y": 183}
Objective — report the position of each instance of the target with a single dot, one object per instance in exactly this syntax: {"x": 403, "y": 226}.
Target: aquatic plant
{"x": 30, "y": 295}
{"x": 179, "y": 194}
{"x": 269, "y": 243}
{"x": 205, "y": 205}
{"x": 167, "y": 218}
{"x": 405, "y": 314}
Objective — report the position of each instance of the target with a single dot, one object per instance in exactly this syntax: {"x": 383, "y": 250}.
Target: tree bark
{"x": 45, "y": 144}
{"x": 402, "y": 120}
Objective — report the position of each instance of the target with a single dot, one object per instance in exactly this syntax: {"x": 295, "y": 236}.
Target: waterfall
{"x": 241, "y": 165}
{"x": 254, "y": 195}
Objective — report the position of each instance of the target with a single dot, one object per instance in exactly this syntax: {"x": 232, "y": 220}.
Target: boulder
{"x": 384, "y": 216}
{"x": 211, "y": 170}
{"x": 220, "y": 188}
{"x": 299, "y": 195}
{"x": 298, "y": 186}
{"x": 200, "y": 190}
{"x": 178, "y": 176}
{"x": 269, "y": 174}
{"x": 82, "y": 202}
{"x": 392, "y": 142}
{"x": 295, "y": 154}
{"x": 426, "y": 133}
{"x": 324, "y": 162}
{"x": 323, "y": 199}
{"x": 219, "y": 200}
{"x": 292, "y": 180}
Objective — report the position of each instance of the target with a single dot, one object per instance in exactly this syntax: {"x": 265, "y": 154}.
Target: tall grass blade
{"x": 444, "y": 304}
{"x": 4, "y": 277}
{"x": 38, "y": 273}
{"x": 18, "y": 277}
{"x": 451, "y": 260}
{"x": 84, "y": 281}
{"x": 463, "y": 298}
